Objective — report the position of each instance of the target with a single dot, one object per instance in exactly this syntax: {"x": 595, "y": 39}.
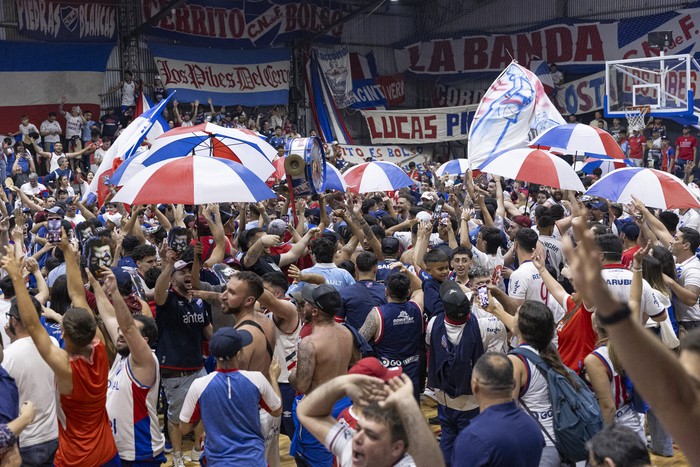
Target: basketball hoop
{"x": 635, "y": 116}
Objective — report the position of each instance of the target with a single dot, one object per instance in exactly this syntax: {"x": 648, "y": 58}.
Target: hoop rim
{"x": 638, "y": 109}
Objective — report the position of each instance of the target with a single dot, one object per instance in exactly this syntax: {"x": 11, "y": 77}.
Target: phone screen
{"x": 483, "y": 296}
{"x": 54, "y": 230}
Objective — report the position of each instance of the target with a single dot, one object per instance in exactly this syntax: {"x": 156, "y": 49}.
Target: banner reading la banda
{"x": 247, "y": 77}
{"x": 417, "y": 126}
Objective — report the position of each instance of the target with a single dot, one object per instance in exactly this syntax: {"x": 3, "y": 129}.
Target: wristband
{"x": 618, "y": 315}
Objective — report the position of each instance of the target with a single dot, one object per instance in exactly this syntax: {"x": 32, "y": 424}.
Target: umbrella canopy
{"x": 208, "y": 139}
{"x": 453, "y": 167}
{"x": 129, "y": 167}
{"x": 577, "y": 138}
{"x": 194, "y": 180}
{"x": 652, "y": 187}
{"x": 606, "y": 165}
{"x": 376, "y": 176}
{"x": 534, "y": 166}
{"x": 334, "y": 179}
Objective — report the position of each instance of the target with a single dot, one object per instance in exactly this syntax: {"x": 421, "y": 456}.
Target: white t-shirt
{"x": 526, "y": 284}
{"x": 619, "y": 282}
{"x": 28, "y": 189}
{"x": 688, "y": 274}
{"x": 493, "y": 332}
{"x": 74, "y": 125}
{"x": 128, "y": 94}
{"x": 35, "y": 382}
{"x": 494, "y": 263}
{"x": 690, "y": 219}
{"x": 406, "y": 239}
{"x": 47, "y": 126}
{"x": 25, "y": 130}
{"x": 554, "y": 251}
{"x": 339, "y": 442}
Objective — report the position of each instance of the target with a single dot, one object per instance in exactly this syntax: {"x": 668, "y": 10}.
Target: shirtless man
{"x": 324, "y": 354}
{"x": 242, "y": 291}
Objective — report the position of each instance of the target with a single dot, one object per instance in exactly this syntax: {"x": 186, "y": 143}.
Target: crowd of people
{"x": 328, "y": 320}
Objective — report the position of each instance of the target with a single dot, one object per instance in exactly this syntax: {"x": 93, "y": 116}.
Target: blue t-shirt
{"x": 54, "y": 330}
{"x": 358, "y": 300}
{"x": 506, "y": 436}
{"x": 9, "y": 397}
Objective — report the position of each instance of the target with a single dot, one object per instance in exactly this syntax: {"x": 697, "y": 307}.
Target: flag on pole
{"x": 514, "y": 110}
{"x": 126, "y": 144}
{"x": 160, "y": 126}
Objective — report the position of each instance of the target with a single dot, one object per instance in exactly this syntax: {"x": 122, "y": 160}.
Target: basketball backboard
{"x": 665, "y": 84}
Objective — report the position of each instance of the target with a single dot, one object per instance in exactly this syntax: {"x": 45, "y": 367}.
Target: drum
{"x": 306, "y": 165}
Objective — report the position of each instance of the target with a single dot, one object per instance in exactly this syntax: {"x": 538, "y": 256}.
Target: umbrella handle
{"x": 292, "y": 202}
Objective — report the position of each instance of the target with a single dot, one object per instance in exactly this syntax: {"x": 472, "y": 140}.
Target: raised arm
{"x": 314, "y": 411}
{"x": 298, "y": 249}
{"x": 284, "y": 311}
{"x": 217, "y": 231}
{"x": 104, "y": 306}
{"x": 656, "y": 226}
{"x": 160, "y": 293}
{"x": 656, "y": 372}
{"x": 76, "y": 287}
{"x": 53, "y": 355}
{"x": 550, "y": 282}
{"x": 141, "y": 356}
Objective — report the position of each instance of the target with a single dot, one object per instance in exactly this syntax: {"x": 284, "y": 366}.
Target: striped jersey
{"x": 133, "y": 415}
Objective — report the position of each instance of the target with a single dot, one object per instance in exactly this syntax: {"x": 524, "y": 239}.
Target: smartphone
{"x": 438, "y": 209}
{"x": 54, "y": 230}
{"x": 483, "y": 293}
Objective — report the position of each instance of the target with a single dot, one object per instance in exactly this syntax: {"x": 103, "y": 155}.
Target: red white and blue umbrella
{"x": 376, "y": 176}
{"x": 534, "y": 166}
{"x": 652, "y": 187}
{"x": 334, "y": 179}
{"x": 194, "y": 180}
{"x": 453, "y": 167}
{"x": 607, "y": 165}
{"x": 208, "y": 139}
{"x": 577, "y": 138}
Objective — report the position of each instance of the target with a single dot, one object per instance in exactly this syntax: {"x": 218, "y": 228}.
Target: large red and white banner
{"x": 581, "y": 47}
{"x": 420, "y": 126}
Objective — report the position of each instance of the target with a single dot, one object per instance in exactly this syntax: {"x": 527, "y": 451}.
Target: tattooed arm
{"x": 302, "y": 378}
{"x": 370, "y": 326}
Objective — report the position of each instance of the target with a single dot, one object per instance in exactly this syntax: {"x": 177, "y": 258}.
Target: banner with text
{"x": 244, "y": 24}
{"x": 419, "y": 126}
{"x": 335, "y": 67}
{"x": 248, "y": 77}
{"x": 581, "y": 47}
{"x": 446, "y": 95}
{"x": 400, "y": 155}
{"x": 582, "y": 95}
{"x": 67, "y": 21}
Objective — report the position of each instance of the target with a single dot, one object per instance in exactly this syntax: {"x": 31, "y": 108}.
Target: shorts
{"x": 270, "y": 428}
{"x": 157, "y": 460}
{"x": 288, "y": 395}
{"x": 307, "y": 448}
{"x": 175, "y": 391}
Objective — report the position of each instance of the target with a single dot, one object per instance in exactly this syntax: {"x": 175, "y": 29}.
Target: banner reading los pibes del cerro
{"x": 245, "y": 77}
{"x": 244, "y": 23}
{"x": 582, "y": 47}
{"x": 419, "y": 126}
{"x": 67, "y": 20}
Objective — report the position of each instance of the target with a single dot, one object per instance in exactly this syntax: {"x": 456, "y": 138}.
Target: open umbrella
{"x": 453, "y": 167}
{"x": 208, "y": 139}
{"x": 534, "y": 166}
{"x": 652, "y": 187}
{"x": 577, "y": 138}
{"x": 606, "y": 165}
{"x": 194, "y": 180}
{"x": 376, "y": 176}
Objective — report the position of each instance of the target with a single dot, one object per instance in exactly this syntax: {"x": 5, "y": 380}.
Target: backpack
{"x": 576, "y": 413}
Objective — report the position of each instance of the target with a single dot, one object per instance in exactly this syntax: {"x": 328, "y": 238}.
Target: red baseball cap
{"x": 371, "y": 366}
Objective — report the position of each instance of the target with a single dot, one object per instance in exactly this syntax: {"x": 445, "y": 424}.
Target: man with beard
{"x": 182, "y": 326}
{"x": 132, "y": 392}
{"x": 242, "y": 291}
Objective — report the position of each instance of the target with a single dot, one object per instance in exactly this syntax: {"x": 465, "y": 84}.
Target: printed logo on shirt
{"x": 403, "y": 318}
{"x": 516, "y": 286}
